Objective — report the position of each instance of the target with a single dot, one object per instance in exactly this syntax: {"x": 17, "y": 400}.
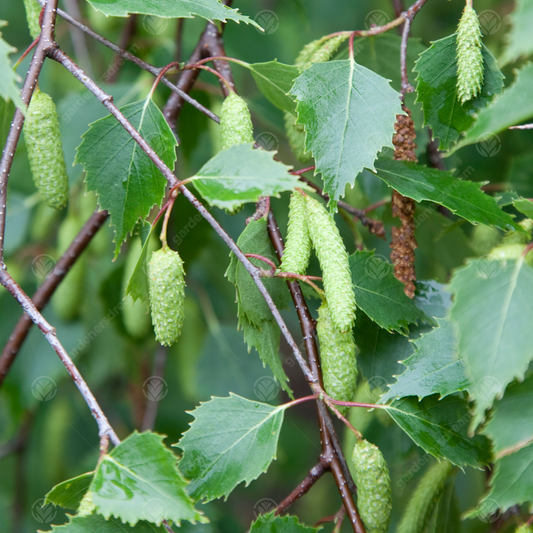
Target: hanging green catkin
{"x": 33, "y": 11}
{"x": 135, "y": 314}
{"x": 166, "y": 283}
{"x": 235, "y": 122}
{"x": 337, "y": 359}
{"x": 333, "y": 259}
{"x": 314, "y": 52}
{"x": 298, "y": 244}
{"x": 372, "y": 479}
{"x": 68, "y": 297}
{"x": 425, "y": 498}
{"x": 525, "y": 528}
{"x": 469, "y": 56}
{"x": 45, "y": 150}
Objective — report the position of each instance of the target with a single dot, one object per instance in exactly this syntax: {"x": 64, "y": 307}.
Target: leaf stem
{"x": 229, "y": 86}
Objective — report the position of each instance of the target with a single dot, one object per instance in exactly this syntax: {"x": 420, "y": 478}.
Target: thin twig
{"x": 78, "y": 38}
{"x": 50, "y": 333}
{"x": 522, "y": 127}
{"x": 125, "y": 38}
{"x": 46, "y": 290}
{"x": 406, "y": 86}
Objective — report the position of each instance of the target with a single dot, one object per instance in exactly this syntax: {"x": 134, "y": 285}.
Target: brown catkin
{"x": 403, "y": 238}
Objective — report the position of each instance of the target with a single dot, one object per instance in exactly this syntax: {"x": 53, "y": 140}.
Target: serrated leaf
{"x": 207, "y": 9}
{"x": 510, "y": 108}
{"x": 437, "y": 90}
{"x": 525, "y": 207}
{"x": 9, "y": 90}
{"x": 70, "y": 493}
{"x": 433, "y": 299}
{"x": 465, "y": 198}
{"x": 241, "y": 174}
{"x": 349, "y": 113}
{"x": 125, "y": 180}
{"x": 268, "y": 523}
{"x": 137, "y": 286}
{"x": 493, "y": 315}
{"x": 440, "y": 428}
{"x": 231, "y": 440}
{"x": 519, "y": 39}
{"x": 511, "y": 423}
{"x": 255, "y": 318}
{"x": 511, "y": 484}
{"x": 275, "y": 80}
{"x": 434, "y": 368}
{"x": 95, "y": 523}
{"x": 139, "y": 480}
{"x": 380, "y": 295}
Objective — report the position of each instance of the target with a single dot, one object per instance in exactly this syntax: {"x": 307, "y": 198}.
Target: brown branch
{"x": 50, "y": 333}
{"x": 303, "y": 488}
{"x": 406, "y": 86}
{"x": 46, "y": 290}
{"x": 36, "y": 65}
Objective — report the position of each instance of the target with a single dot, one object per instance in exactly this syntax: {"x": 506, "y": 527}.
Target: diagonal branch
{"x": 104, "y": 428}
{"x": 46, "y": 290}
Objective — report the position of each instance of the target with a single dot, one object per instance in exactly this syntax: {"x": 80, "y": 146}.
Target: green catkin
{"x": 235, "y": 122}
{"x": 525, "y": 528}
{"x": 33, "y": 11}
{"x": 333, "y": 259}
{"x": 313, "y": 52}
{"x": 135, "y": 314}
{"x": 68, "y": 297}
{"x": 167, "y": 295}
{"x": 337, "y": 359}
{"x": 470, "y": 70}
{"x": 298, "y": 244}
{"x": 372, "y": 479}
{"x": 45, "y": 150}
{"x": 425, "y": 498}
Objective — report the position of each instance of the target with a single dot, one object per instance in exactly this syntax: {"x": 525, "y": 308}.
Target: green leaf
{"x": 95, "y": 523}
{"x": 525, "y": 206}
{"x": 349, "y": 113}
{"x": 138, "y": 283}
{"x": 440, "y": 428}
{"x": 511, "y": 107}
{"x": 519, "y": 39}
{"x": 437, "y": 90}
{"x": 231, "y": 440}
{"x": 275, "y": 80}
{"x": 207, "y": 9}
{"x": 241, "y": 174}
{"x": 70, "y": 493}
{"x": 268, "y": 523}
{"x": 139, "y": 480}
{"x": 9, "y": 90}
{"x": 434, "y": 368}
{"x": 255, "y": 318}
{"x": 463, "y": 197}
{"x": 127, "y": 183}
{"x": 511, "y": 484}
{"x": 493, "y": 315}
{"x": 511, "y": 423}
{"x": 380, "y": 295}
